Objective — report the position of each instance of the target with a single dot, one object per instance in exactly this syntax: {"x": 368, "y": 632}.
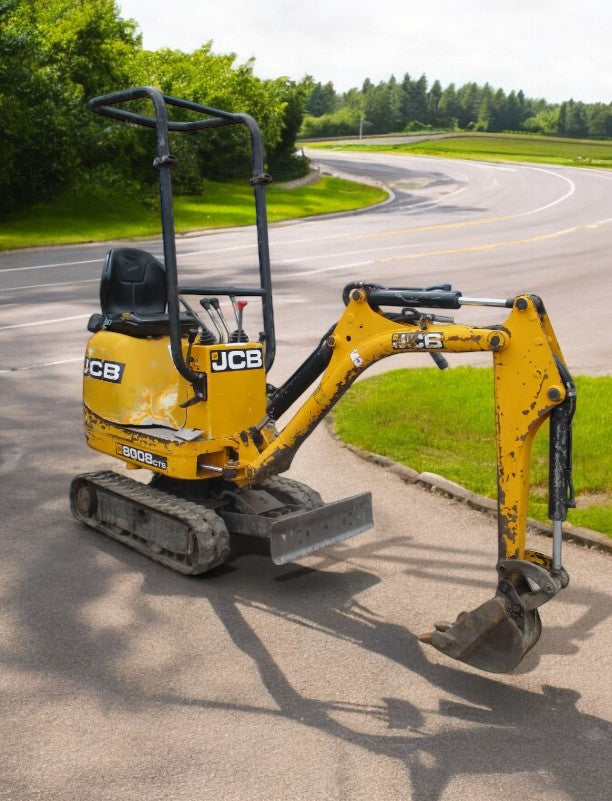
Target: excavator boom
{"x": 162, "y": 391}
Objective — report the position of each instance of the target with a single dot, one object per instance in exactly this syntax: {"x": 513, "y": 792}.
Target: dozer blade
{"x": 493, "y": 637}
{"x": 302, "y": 533}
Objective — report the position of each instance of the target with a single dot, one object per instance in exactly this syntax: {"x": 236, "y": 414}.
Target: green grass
{"x": 418, "y": 417}
{"x": 91, "y": 218}
{"x": 501, "y": 147}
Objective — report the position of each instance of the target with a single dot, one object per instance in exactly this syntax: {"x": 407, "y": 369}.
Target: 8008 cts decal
{"x": 144, "y": 457}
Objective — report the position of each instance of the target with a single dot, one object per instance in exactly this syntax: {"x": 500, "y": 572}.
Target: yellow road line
{"x": 495, "y": 245}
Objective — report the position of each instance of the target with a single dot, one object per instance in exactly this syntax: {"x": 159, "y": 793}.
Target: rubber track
{"x": 207, "y": 527}
{"x": 288, "y": 490}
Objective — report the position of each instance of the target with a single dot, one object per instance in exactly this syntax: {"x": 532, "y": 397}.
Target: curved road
{"x": 122, "y": 680}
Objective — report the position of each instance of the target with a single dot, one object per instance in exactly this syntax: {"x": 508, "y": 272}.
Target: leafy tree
{"x": 449, "y": 108}
{"x": 87, "y": 41}
{"x": 434, "y": 96}
{"x": 513, "y": 112}
{"x": 576, "y": 120}
{"x": 282, "y": 160}
{"x": 599, "y": 116}
{"x": 486, "y": 110}
{"x": 469, "y": 96}
{"x": 344, "y": 122}
{"x": 215, "y": 81}
{"x": 415, "y": 104}
{"x": 545, "y": 121}
{"x": 322, "y": 100}
{"x": 572, "y": 119}
{"x": 55, "y": 54}
{"x": 499, "y": 121}
{"x": 46, "y": 48}
{"x": 383, "y": 107}
{"x": 562, "y": 119}
{"x": 405, "y": 89}
{"x": 367, "y": 86}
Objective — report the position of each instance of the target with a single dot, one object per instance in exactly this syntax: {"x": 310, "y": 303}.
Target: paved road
{"x": 122, "y": 680}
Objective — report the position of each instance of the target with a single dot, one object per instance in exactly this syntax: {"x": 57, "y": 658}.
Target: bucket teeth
{"x": 492, "y": 637}
{"x": 442, "y": 640}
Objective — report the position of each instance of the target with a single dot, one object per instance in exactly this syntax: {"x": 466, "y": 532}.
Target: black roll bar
{"x": 164, "y": 162}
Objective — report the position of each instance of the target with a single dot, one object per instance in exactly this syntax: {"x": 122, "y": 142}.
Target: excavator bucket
{"x": 492, "y": 637}
{"x": 497, "y": 634}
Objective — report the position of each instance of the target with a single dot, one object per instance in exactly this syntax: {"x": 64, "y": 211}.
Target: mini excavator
{"x": 177, "y": 392}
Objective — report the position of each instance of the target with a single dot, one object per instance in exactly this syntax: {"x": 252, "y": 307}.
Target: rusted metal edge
{"x": 436, "y": 483}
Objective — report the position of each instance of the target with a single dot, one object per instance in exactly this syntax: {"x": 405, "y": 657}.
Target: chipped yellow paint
{"x": 362, "y": 337}
{"x": 150, "y": 389}
{"x": 527, "y": 387}
{"x": 150, "y": 394}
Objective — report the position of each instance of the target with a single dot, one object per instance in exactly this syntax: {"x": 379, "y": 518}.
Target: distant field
{"x": 498, "y": 147}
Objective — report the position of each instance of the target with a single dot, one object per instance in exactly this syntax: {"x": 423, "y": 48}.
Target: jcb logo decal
{"x": 429, "y": 340}
{"x": 236, "y": 359}
{"x": 103, "y": 370}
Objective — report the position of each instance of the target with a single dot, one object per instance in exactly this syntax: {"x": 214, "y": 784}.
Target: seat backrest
{"x": 133, "y": 281}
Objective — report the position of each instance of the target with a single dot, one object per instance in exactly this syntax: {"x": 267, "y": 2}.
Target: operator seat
{"x": 132, "y": 281}
{"x": 133, "y": 296}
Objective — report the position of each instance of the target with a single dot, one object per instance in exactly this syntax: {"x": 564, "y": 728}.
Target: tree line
{"x": 56, "y": 54}
{"x": 412, "y": 104}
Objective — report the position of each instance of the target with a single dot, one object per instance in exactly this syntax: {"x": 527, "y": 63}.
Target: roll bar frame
{"x": 107, "y": 105}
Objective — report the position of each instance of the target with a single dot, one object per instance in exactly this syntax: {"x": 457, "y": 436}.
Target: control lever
{"x": 235, "y": 308}
{"x": 238, "y": 335}
{"x": 206, "y": 336}
{"x": 217, "y": 307}
{"x": 241, "y": 306}
{"x": 206, "y": 304}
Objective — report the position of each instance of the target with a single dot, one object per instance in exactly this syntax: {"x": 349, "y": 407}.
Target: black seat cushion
{"x": 133, "y": 281}
{"x": 137, "y": 325}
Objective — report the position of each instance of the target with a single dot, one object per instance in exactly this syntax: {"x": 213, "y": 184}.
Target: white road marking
{"x": 45, "y": 286}
{"x": 416, "y": 207}
{"x": 569, "y": 193}
{"x": 45, "y": 266}
{"x": 46, "y": 322}
{"x": 40, "y": 365}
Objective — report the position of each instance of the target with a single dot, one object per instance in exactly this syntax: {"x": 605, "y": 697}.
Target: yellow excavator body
{"x": 165, "y": 393}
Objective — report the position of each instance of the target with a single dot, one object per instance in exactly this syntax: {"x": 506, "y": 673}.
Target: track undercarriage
{"x": 186, "y": 525}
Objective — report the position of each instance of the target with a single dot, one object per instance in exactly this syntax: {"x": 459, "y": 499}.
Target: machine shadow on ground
{"x": 57, "y": 569}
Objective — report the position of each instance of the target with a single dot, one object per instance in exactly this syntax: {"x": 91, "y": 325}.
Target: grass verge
{"x": 90, "y": 218}
{"x": 500, "y": 147}
{"x": 418, "y": 417}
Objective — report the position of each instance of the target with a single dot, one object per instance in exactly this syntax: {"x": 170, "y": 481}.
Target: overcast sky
{"x": 556, "y": 49}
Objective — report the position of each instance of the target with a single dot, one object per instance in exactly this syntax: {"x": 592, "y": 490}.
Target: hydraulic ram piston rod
{"x": 504, "y": 303}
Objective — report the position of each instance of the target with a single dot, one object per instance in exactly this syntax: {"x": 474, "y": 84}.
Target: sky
{"x": 554, "y": 49}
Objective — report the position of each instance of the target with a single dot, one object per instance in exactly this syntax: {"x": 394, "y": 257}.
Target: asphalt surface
{"x": 122, "y": 680}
